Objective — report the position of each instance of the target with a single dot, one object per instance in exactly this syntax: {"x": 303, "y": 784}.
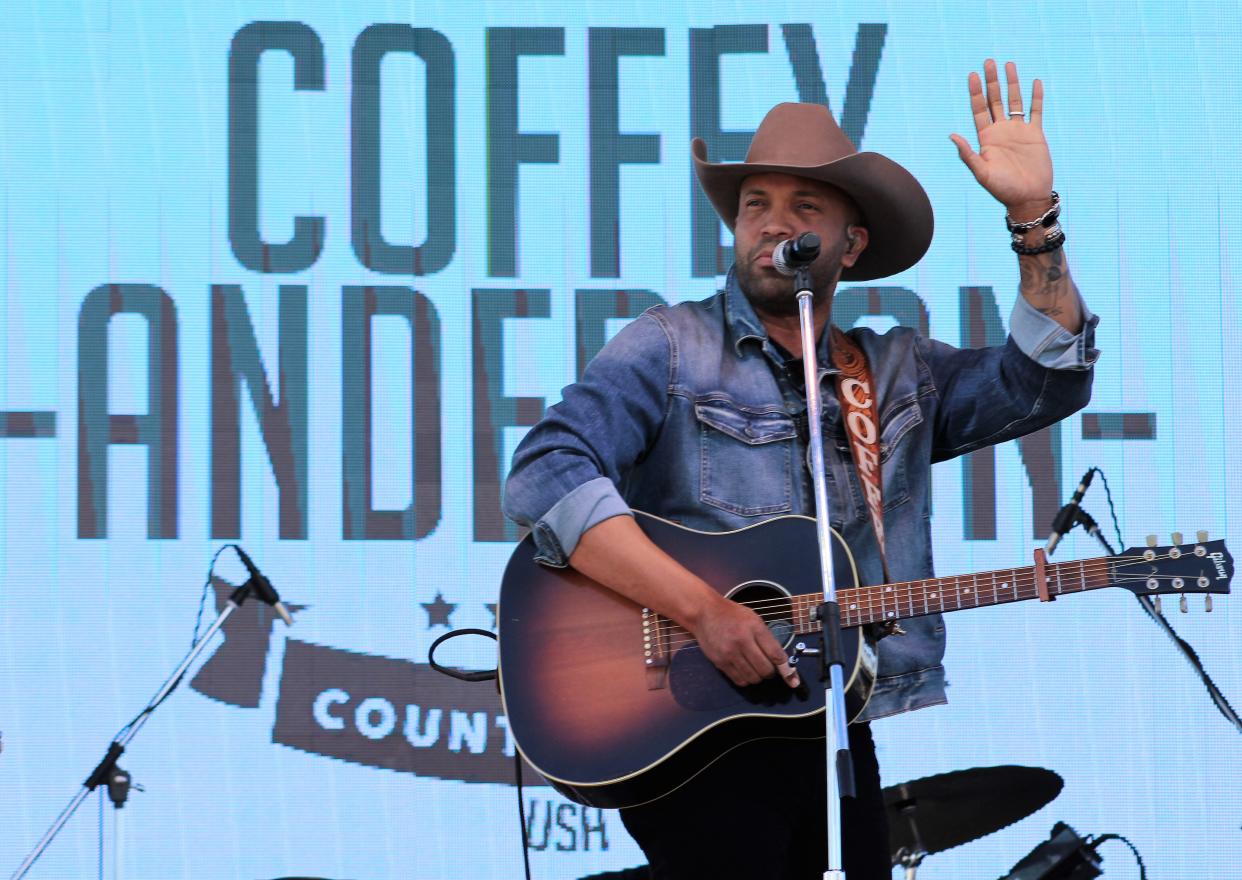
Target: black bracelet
{"x": 1052, "y": 241}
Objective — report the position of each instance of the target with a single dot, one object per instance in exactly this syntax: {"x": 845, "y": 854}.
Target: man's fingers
{"x": 780, "y": 662}
{"x": 1015, "y": 90}
{"x": 972, "y": 159}
{"x": 978, "y": 104}
{"x": 748, "y": 666}
{"x": 1037, "y": 103}
{"x": 775, "y": 655}
{"x": 994, "y": 93}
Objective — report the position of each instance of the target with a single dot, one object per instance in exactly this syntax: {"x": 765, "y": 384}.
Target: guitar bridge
{"x": 655, "y": 649}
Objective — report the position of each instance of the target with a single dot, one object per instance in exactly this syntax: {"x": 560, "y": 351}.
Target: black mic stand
{"x": 105, "y": 770}
{"x": 840, "y": 776}
{"x": 1151, "y": 605}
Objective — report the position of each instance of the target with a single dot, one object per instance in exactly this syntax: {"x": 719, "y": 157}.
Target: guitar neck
{"x": 885, "y": 602}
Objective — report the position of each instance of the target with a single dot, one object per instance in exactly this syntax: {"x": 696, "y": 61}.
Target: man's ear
{"x": 856, "y": 238}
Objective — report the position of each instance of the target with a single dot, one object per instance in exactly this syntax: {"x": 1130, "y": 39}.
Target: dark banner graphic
{"x": 378, "y": 711}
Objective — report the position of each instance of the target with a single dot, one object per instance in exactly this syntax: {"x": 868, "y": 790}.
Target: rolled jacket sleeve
{"x": 1049, "y": 344}
{"x": 1042, "y": 374}
{"x": 568, "y": 468}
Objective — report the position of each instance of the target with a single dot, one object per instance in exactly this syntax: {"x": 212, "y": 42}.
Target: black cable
{"x": 486, "y": 675}
{"x": 202, "y": 598}
{"x": 1222, "y": 703}
{"x": 459, "y": 674}
{"x": 151, "y": 707}
{"x": 1218, "y": 698}
{"x": 1105, "y": 837}
{"x": 1109, "y": 495}
{"x": 517, "y": 771}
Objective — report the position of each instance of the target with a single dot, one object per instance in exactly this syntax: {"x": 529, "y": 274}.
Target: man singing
{"x": 697, "y": 413}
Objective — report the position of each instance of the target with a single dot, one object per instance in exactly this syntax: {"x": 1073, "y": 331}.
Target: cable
{"x": 1106, "y": 837}
{"x": 517, "y": 771}
{"x": 202, "y": 598}
{"x": 1218, "y": 698}
{"x": 486, "y": 675}
{"x": 460, "y": 675}
{"x": 1109, "y": 495}
{"x": 151, "y": 707}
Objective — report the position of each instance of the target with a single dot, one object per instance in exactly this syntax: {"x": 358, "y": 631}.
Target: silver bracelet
{"x": 1045, "y": 219}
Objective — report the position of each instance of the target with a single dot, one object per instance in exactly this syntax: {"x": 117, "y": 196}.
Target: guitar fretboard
{"x": 862, "y": 605}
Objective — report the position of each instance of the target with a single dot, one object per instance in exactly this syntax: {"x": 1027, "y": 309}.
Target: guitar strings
{"x": 905, "y": 594}
{"x": 1014, "y": 576}
{"x": 1021, "y": 586}
{"x": 1093, "y": 567}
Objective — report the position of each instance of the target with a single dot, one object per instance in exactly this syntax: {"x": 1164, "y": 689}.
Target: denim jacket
{"x": 688, "y": 413}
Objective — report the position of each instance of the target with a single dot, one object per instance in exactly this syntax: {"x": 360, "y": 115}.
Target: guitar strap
{"x": 855, "y": 391}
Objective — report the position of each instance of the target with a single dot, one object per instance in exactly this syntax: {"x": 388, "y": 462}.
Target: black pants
{"x": 758, "y": 814}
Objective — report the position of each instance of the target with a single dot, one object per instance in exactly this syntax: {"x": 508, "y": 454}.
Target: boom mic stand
{"x": 1151, "y": 605}
{"x": 105, "y": 769}
{"x": 840, "y": 776}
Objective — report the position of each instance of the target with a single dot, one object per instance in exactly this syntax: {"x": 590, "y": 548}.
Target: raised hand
{"x": 1013, "y": 162}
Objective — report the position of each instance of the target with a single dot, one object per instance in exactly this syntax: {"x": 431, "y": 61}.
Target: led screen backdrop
{"x": 299, "y": 276}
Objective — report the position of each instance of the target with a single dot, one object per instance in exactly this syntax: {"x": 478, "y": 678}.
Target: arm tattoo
{"x": 1047, "y": 286}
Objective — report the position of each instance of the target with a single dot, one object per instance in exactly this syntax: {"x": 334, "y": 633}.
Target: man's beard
{"x": 773, "y": 293}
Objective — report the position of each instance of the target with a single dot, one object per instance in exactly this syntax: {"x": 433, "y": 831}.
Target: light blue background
{"x": 113, "y": 169}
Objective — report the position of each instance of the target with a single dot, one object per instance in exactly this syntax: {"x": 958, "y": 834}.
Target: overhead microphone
{"x": 793, "y": 254}
{"x": 1071, "y": 514}
{"x": 262, "y": 587}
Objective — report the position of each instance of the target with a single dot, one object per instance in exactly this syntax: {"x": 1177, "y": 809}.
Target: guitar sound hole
{"x": 772, "y": 604}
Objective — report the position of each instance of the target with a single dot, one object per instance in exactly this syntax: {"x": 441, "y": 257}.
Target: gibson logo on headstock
{"x": 1219, "y": 560}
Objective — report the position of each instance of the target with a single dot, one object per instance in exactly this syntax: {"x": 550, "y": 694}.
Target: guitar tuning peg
{"x": 1202, "y": 536}
{"x": 1155, "y": 602}
{"x": 1177, "y": 537}
{"x": 1151, "y": 540}
{"x": 1207, "y": 603}
{"x": 1182, "y": 604}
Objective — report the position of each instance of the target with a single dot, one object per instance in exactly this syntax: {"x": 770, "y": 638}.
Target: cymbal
{"x": 936, "y": 813}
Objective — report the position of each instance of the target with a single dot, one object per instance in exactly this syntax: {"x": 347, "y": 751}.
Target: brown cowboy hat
{"x": 804, "y": 140}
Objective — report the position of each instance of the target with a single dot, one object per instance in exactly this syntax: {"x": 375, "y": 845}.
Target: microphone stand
{"x": 105, "y": 769}
{"x": 1151, "y": 605}
{"x": 840, "y": 776}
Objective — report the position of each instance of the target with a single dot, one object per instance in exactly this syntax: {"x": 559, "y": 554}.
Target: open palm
{"x": 1013, "y": 162}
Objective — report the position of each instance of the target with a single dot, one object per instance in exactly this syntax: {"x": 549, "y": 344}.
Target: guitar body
{"x": 609, "y": 729}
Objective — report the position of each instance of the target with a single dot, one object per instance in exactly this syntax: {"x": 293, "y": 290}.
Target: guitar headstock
{"x": 1177, "y": 569}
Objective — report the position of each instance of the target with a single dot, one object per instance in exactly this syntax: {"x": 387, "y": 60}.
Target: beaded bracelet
{"x": 1052, "y": 241}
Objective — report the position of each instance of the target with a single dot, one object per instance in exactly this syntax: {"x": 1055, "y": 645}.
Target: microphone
{"x": 793, "y": 253}
{"x": 1069, "y": 515}
{"x": 263, "y": 588}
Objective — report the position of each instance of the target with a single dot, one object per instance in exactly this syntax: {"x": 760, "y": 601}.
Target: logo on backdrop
{"x": 386, "y": 712}
{"x": 367, "y": 709}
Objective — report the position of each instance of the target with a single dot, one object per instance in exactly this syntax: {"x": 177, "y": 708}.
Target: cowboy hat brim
{"x": 896, "y": 210}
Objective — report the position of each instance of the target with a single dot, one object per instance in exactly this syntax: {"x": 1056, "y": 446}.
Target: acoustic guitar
{"x": 616, "y": 705}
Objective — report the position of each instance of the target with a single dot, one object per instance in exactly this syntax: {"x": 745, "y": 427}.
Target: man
{"x": 697, "y": 413}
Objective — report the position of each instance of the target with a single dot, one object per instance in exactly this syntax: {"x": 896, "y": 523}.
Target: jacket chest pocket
{"x": 894, "y": 482}
{"x": 745, "y": 464}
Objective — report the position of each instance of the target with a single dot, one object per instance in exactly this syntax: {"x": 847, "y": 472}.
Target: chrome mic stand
{"x": 840, "y": 776}
{"x": 104, "y": 771}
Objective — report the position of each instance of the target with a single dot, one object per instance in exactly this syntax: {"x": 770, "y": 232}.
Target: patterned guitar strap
{"x": 855, "y": 391}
